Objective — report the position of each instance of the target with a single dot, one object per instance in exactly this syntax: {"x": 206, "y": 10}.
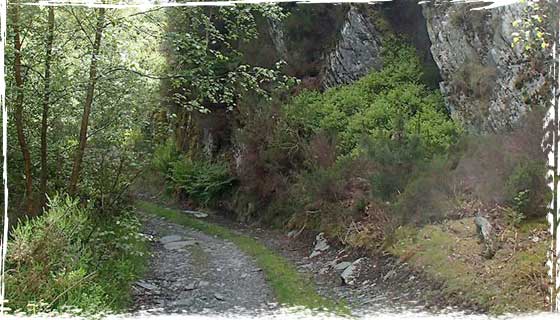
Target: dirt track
{"x": 193, "y": 272}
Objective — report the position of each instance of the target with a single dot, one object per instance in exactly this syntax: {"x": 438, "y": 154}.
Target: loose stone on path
{"x": 171, "y": 238}
{"x": 179, "y": 244}
{"x": 196, "y": 273}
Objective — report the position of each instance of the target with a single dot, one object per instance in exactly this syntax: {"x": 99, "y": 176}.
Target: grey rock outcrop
{"x": 276, "y": 33}
{"x": 487, "y": 85}
{"x": 357, "y": 51}
{"x": 352, "y": 272}
{"x": 342, "y": 265}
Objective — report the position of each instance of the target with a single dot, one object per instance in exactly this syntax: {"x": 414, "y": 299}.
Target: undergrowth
{"x": 69, "y": 260}
{"x": 515, "y": 280}
{"x": 202, "y": 182}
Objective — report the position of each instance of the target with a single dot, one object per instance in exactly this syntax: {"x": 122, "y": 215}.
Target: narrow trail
{"x": 193, "y": 272}
{"x": 196, "y": 273}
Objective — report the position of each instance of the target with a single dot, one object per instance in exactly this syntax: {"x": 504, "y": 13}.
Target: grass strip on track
{"x": 289, "y": 286}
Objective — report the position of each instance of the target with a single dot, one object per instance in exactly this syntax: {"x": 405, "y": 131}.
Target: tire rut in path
{"x": 193, "y": 272}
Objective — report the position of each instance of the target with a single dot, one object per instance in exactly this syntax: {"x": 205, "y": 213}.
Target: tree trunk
{"x": 554, "y": 303}
{"x": 554, "y": 223}
{"x": 46, "y": 102}
{"x": 18, "y": 106}
{"x": 76, "y": 168}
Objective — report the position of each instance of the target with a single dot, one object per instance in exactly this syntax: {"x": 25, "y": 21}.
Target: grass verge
{"x": 514, "y": 280}
{"x": 127, "y": 264}
{"x": 289, "y": 286}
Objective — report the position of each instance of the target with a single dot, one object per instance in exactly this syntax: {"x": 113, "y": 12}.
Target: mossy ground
{"x": 514, "y": 280}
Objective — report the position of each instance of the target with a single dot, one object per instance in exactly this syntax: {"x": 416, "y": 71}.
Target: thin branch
{"x": 79, "y": 21}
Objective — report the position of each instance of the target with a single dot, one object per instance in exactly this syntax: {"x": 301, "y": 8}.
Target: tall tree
{"x": 18, "y": 108}
{"x": 204, "y": 50}
{"x": 79, "y": 156}
{"x": 554, "y": 297}
{"x": 46, "y": 104}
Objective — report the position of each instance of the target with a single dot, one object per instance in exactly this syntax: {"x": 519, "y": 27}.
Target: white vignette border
{"x": 286, "y": 314}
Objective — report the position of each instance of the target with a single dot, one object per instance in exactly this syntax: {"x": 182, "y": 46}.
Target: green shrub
{"x": 384, "y": 126}
{"x": 394, "y": 162}
{"x": 324, "y": 184}
{"x": 164, "y": 155}
{"x": 48, "y": 255}
{"x": 202, "y": 181}
{"x": 387, "y": 104}
{"x": 67, "y": 259}
{"x": 513, "y": 217}
{"x": 526, "y": 188}
{"x": 120, "y": 253}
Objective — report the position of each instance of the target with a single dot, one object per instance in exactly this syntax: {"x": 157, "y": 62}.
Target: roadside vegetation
{"x": 69, "y": 260}
{"x": 99, "y": 97}
{"x": 76, "y": 122}
{"x": 364, "y": 161}
{"x": 514, "y": 280}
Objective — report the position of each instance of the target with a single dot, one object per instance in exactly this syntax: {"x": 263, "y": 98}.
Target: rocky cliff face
{"x": 360, "y": 41}
{"x": 358, "y": 50}
{"x": 487, "y": 84}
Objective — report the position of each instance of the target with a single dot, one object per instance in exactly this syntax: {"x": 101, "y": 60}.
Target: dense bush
{"x": 65, "y": 258}
{"x": 395, "y": 161}
{"x": 48, "y": 255}
{"x": 427, "y": 197}
{"x": 526, "y": 188}
{"x": 307, "y": 161}
{"x": 304, "y": 164}
{"x": 201, "y": 181}
{"x": 386, "y": 104}
{"x": 164, "y": 155}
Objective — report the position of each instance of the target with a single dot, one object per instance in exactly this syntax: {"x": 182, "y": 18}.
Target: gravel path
{"x": 383, "y": 285}
{"x": 193, "y": 272}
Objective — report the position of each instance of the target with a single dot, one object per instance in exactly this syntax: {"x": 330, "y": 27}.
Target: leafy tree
{"x": 207, "y": 72}
{"x": 48, "y": 91}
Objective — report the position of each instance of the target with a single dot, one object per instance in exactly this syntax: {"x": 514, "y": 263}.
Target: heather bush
{"x": 394, "y": 161}
{"x": 66, "y": 258}
{"x": 526, "y": 188}
{"x": 427, "y": 197}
